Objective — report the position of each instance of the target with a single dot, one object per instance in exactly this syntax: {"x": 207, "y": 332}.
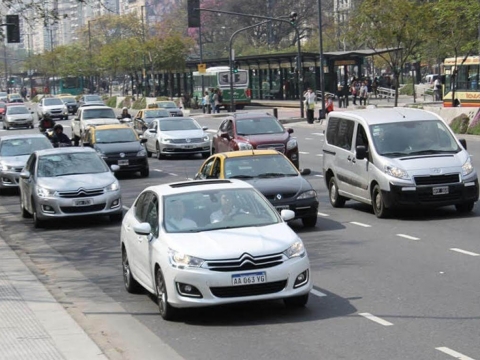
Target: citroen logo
{"x": 122, "y": 155}
{"x": 279, "y": 196}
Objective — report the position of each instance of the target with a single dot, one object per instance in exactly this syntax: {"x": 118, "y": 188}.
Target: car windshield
{"x": 49, "y": 102}
{"x": 115, "y": 136}
{"x": 98, "y": 114}
{"x": 167, "y": 105}
{"x": 17, "y": 110}
{"x": 413, "y": 138}
{"x": 257, "y": 126}
{"x": 24, "y": 146}
{"x": 3, "y": 105}
{"x": 178, "y": 125}
{"x": 53, "y": 165}
{"x": 93, "y": 98}
{"x": 68, "y": 100}
{"x": 246, "y": 167}
{"x": 153, "y": 114}
{"x": 214, "y": 210}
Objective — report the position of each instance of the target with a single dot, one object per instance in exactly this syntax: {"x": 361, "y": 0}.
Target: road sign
{"x": 202, "y": 68}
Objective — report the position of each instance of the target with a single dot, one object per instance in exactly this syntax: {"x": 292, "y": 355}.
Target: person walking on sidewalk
{"x": 206, "y": 103}
{"x": 310, "y": 98}
{"x": 363, "y": 95}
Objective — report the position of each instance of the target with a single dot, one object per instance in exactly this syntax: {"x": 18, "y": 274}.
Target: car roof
{"x": 64, "y": 150}
{"x": 248, "y": 153}
{"x": 16, "y": 104}
{"x": 176, "y": 118}
{"x": 381, "y": 116}
{"x": 111, "y": 127}
{"x": 21, "y": 136}
{"x": 95, "y": 107}
{"x": 185, "y": 187}
{"x": 250, "y": 115}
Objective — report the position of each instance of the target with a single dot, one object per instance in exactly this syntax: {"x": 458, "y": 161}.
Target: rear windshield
{"x": 19, "y": 147}
{"x": 257, "y": 126}
{"x": 98, "y": 114}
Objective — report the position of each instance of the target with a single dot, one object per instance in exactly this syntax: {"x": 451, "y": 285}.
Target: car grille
{"x": 245, "y": 262}
{"x": 248, "y": 290}
{"x": 55, "y": 111}
{"x": 117, "y": 154}
{"x": 184, "y": 141}
{"x": 278, "y": 147}
{"x": 273, "y": 197}
{"x": 437, "y": 179}
{"x": 82, "y": 209}
{"x": 80, "y": 193}
{"x": 17, "y": 169}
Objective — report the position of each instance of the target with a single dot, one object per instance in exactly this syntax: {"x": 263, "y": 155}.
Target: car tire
{"x": 212, "y": 151}
{"x": 4, "y": 126}
{"x": 131, "y": 285}
{"x": 167, "y": 312}
{"x": 378, "y": 204}
{"x": 65, "y": 117}
{"x": 149, "y": 153}
{"x": 296, "y": 301}
{"x": 37, "y": 223}
{"x": 145, "y": 172}
{"x": 7, "y": 127}
{"x": 32, "y": 126}
{"x": 465, "y": 207}
{"x": 205, "y": 155}
{"x": 76, "y": 140}
{"x": 116, "y": 217}
{"x": 310, "y": 221}
{"x": 23, "y": 211}
{"x": 336, "y": 200}
{"x": 158, "y": 153}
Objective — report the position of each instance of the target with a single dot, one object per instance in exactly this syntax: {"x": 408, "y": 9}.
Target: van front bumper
{"x": 409, "y": 196}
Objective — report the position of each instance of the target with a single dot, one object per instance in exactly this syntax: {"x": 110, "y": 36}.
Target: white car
{"x": 54, "y": 107}
{"x": 211, "y": 242}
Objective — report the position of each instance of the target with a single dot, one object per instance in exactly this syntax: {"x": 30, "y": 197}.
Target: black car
{"x": 71, "y": 103}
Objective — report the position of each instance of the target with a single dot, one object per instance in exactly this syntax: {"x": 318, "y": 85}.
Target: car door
{"x": 360, "y": 168}
{"x": 150, "y": 135}
{"x": 205, "y": 170}
{"x": 26, "y": 185}
{"x": 145, "y": 244}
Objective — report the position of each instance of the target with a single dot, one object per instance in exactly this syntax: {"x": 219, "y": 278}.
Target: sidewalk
{"x": 33, "y": 325}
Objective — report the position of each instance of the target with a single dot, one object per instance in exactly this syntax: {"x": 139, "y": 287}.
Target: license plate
{"x": 188, "y": 146}
{"x": 249, "y": 279}
{"x": 122, "y": 162}
{"x": 83, "y": 202}
{"x": 282, "y": 207}
{"x": 440, "y": 190}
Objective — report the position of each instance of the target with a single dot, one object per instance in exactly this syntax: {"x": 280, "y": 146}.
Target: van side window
{"x": 340, "y": 132}
{"x": 362, "y": 139}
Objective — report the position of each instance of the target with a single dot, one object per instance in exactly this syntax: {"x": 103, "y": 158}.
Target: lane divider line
{"x": 157, "y": 170}
{"x": 360, "y": 224}
{"x": 408, "y": 237}
{"x": 319, "y": 176}
{"x": 304, "y": 152}
{"x": 376, "y": 319}
{"x": 308, "y": 139}
{"x": 322, "y": 214}
{"x": 321, "y": 155}
{"x": 453, "y": 353}
{"x": 317, "y": 293}
{"x": 172, "y": 174}
{"x": 319, "y": 134}
{"x": 464, "y": 252}
{"x": 211, "y": 130}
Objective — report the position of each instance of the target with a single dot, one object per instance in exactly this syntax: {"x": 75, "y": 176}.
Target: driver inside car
{"x": 177, "y": 219}
{"x": 227, "y": 210}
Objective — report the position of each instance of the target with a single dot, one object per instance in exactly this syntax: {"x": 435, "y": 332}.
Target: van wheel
{"x": 378, "y": 204}
{"x": 336, "y": 200}
{"x": 465, "y": 207}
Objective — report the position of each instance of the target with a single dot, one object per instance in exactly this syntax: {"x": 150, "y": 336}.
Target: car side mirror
{"x": 361, "y": 152}
{"x": 225, "y": 136}
{"x": 287, "y": 215}
{"x": 463, "y": 142}
{"x": 142, "y": 229}
{"x": 114, "y": 167}
{"x": 197, "y": 176}
{"x": 153, "y": 131}
{"x": 305, "y": 172}
{"x": 25, "y": 174}
{"x": 76, "y": 119}
{"x": 143, "y": 141}
{"x": 119, "y": 117}
{"x": 290, "y": 130}
{"x": 204, "y": 128}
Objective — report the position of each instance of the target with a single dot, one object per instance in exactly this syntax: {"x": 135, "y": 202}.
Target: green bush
{"x": 459, "y": 125}
{"x": 474, "y": 130}
{"x": 140, "y": 104}
{"x": 112, "y": 101}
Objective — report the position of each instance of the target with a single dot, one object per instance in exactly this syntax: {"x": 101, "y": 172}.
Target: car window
{"x": 362, "y": 139}
{"x": 139, "y": 115}
{"x": 223, "y": 126}
{"x": 340, "y": 132}
{"x": 256, "y": 126}
{"x": 25, "y": 146}
{"x": 152, "y": 214}
{"x": 153, "y": 125}
{"x": 93, "y": 98}
{"x": 141, "y": 206}
{"x": 17, "y": 110}
{"x": 30, "y": 165}
{"x": 63, "y": 164}
{"x": 152, "y": 114}
{"x": 229, "y": 127}
{"x": 207, "y": 168}
{"x": 216, "y": 169}
{"x": 268, "y": 166}
{"x": 167, "y": 105}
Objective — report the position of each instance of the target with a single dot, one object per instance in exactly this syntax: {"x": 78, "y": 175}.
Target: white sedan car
{"x": 212, "y": 242}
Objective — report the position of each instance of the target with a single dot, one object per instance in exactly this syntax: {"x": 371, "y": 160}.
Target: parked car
{"x": 70, "y": 102}
{"x": 144, "y": 117}
{"x": 53, "y": 107}
{"x": 119, "y": 145}
{"x": 68, "y": 182}
{"x": 246, "y": 131}
{"x": 87, "y": 100}
{"x": 272, "y": 174}
{"x": 17, "y": 115}
{"x": 399, "y": 157}
{"x": 14, "y": 152}
{"x": 167, "y": 136}
{"x": 168, "y": 105}
{"x": 201, "y": 243}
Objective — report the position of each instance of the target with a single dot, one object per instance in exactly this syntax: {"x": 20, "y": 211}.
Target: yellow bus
{"x": 467, "y": 89}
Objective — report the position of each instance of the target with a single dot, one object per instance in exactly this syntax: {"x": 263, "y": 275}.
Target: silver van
{"x": 396, "y": 157}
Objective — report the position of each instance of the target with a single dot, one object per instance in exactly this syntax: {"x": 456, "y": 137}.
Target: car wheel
{"x": 378, "y": 204}
{"x": 37, "y": 223}
{"x": 65, "y": 117}
{"x": 158, "y": 153}
{"x": 296, "y": 301}
{"x": 310, "y": 221}
{"x": 167, "y": 312}
{"x": 24, "y": 212}
{"x": 212, "y": 151}
{"x": 336, "y": 200}
{"x": 32, "y": 126}
{"x": 76, "y": 140}
{"x": 4, "y": 126}
{"x": 205, "y": 155}
{"x": 131, "y": 285}
{"x": 116, "y": 217}
{"x": 145, "y": 172}
{"x": 7, "y": 127}
{"x": 465, "y": 207}
{"x": 149, "y": 153}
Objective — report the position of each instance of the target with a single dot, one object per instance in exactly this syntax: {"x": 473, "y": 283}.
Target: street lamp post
{"x": 320, "y": 39}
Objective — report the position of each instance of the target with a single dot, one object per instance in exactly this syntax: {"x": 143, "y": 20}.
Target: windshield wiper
{"x": 272, "y": 174}
{"x": 241, "y": 177}
{"x": 77, "y": 173}
{"x": 427, "y": 152}
{"x": 394, "y": 154}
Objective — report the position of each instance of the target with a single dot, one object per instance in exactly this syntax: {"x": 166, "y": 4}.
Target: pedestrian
{"x": 24, "y": 93}
{"x": 329, "y": 105}
{"x": 206, "y": 103}
{"x": 353, "y": 91}
{"x": 310, "y": 98}
{"x": 437, "y": 89}
{"x": 212, "y": 100}
{"x": 375, "y": 87}
{"x": 363, "y": 93}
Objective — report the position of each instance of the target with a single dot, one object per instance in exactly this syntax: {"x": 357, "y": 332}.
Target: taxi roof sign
{"x": 202, "y": 68}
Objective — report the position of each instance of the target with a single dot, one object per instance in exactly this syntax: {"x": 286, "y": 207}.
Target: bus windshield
{"x": 239, "y": 78}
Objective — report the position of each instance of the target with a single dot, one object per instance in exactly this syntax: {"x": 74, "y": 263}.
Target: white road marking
{"x": 157, "y": 170}
{"x": 172, "y": 174}
{"x": 360, "y": 224}
{"x": 376, "y": 319}
{"x": 464, "y": 252}
{"x": 453, "y": 353}
{"x": 317, "y": 293}
{"x": 303, "y": 152}
{"x": 308, "y": 139}
{"x": 408, "y": 237}
{"x": 319, "y": 176}
{"x": 319, "y": 155}
{"x": 322, "y": 214}
{"x": 319, "y": 134}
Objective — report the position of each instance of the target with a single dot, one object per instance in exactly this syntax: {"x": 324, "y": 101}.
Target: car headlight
{"x": 467, "y": 168}
{"x": 292, "y": 144}
{"x": 44, "y": 192}
{"x": 112, "y": 187}
{"x": 142, "y": 153}
{"x": 206, "y": 138}
{"x": 307, "y": 195}
{"x": 296, "y": 250}
{"x": 166, "y": 140}
{"x": 396, "y": 172}
{"x": 4, "y": 167}
{"x": 181, "y": 260}
{"x": 245, "y": 146}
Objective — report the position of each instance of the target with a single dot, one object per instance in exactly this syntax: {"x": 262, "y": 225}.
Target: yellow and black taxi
{"x": 120, "y": 145}
{"x": 144, "y": 118}
{"x": 273, "y": 174}
{"x": 170, "y": 106}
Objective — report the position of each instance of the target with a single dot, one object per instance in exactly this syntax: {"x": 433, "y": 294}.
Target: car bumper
{"x": 408, "y": 196}
{"x": 185, "y": 148}
{"x": 134, "y": 164}
{"x": 9, "y": 179}
{"x": 106, "y": 204}
{"x": 216, "y": 287}
{"x": 303, "y": 208}
{"x": 19, "y": 123}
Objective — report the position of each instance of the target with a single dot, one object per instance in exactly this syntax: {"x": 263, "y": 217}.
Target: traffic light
{"x": 293, "y": 18}
{"x": 13, "y": 29}
{"x": 193, "y": 14}
{"x": 235, "y": 68}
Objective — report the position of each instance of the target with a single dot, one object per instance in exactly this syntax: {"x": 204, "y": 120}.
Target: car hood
{"x": 19, "y": 116}
{"x": 183, "y": 134}
{"x": 94, "y": 102}
{"x": 50, "y": 107}
{"x": 119, "y": 147}
{"x": 75, "y": 182}
{"x": 15, "y": 161}
{"x": 431, "y": 164}
{"x": 265, "y": 138}
{"x": 280, "y": 185}
{"x": 232, "y": 243}
{"x": 101, "y": 121}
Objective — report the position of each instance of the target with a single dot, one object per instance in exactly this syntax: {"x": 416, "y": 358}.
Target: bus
{"x": 218, "y": 77}
{"x": 467, "y": 85}
{"x": 73, "y": 85}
